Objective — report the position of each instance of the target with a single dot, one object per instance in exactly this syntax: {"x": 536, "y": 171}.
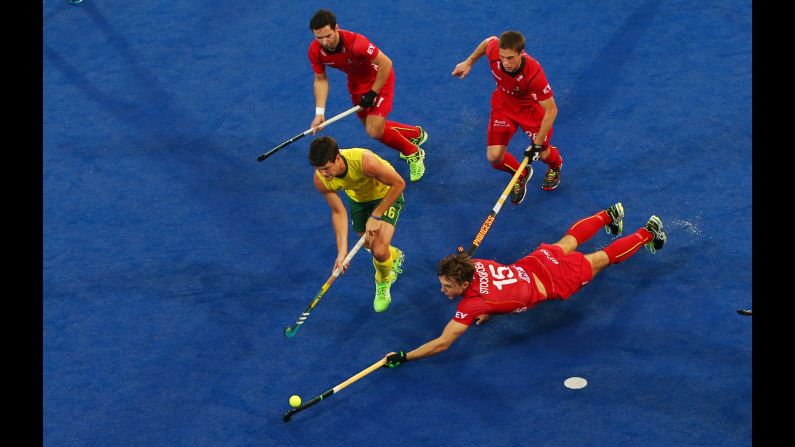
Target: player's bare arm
{"x": 339, "y": 221}
{"x": 384, "y": 68}
{"x": 450, "y": 334}
{"x": 388, "y": 176}
{"x": 463, "y": 68}
{"x": 321, "y": 96}
{"x": 550, "y": 113}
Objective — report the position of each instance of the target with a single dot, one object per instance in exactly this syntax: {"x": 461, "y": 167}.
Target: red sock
{"x": 404, "y": 129}
{"x": 508, "y": 164}
{"x": 586, "y": 228}
{"x": 623, "y": 248}
{"x": 554, "y": 159}
{"x": 395, "y": 136}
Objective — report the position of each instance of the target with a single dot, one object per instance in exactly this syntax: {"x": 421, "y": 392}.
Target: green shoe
{"x": 416, "y": 164}
{"x": 655, "y": 227}
{"x": 397, "y": 264}
{"x": 382, "y": 296}
{"x": 552, "y": 179}
{"x": 519, "y": 190}
{"x": 420, "y": 139}
{"x": 616, "y": 212}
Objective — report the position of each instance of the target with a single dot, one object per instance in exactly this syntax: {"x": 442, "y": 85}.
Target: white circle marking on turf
{"x": 575, "y": 383}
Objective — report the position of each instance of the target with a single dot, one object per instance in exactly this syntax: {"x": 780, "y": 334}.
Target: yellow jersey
{"x": 357, "y": 186}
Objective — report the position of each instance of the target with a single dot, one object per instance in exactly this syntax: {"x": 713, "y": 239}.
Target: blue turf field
{"x": 173, "y": 260}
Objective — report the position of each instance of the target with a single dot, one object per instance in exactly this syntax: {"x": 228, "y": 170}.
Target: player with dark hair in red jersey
{"x": 552, "y": 271}
{"x": 522, "y": 98}
{"x": 371, "y": 83}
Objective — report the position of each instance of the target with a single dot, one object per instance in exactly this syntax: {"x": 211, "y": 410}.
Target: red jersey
{"x": 497, "y": 289}
{"x": 525, "y": 88}
{"x": 354, "y": 56}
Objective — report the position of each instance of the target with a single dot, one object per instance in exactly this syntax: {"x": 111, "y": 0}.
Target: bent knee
{"x": 495, "y": 154}
{"x": 375, "y": 131}
{"x": 381, "y": 255}
{"x": 495, "y": 159}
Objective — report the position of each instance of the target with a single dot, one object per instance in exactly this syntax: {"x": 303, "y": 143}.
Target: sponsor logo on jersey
{"x": 549, "y": 256}
{"x": 460, "y": 315}
{"x": 547, "y": 89}
{"x": 499, "y": 123}
{"x": 522, "y": 274}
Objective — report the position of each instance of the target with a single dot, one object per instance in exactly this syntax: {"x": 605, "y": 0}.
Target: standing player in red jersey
{"x": 522, "y": 98}
{"x": 371, "y": 83}
{"x": 552, "y": 271}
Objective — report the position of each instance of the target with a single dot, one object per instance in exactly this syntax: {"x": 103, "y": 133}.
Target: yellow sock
{"x": 394, "y": 252}
{"x": 383, "y": 269}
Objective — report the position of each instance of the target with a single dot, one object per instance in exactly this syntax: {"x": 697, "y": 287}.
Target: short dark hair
{"x": 322, "y": 18}
{"x": 512, "y": 40}
{"x": 458, "y": 267}
{"x": 323, "y": 150}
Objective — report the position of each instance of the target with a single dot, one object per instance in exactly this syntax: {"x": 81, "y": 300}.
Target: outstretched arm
{"x": 451, "y": 332}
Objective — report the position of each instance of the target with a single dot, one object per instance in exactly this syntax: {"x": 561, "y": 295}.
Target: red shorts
{"x": 383, "y": 103}
{"x": 561, "y": 275}
{"x": 503, "y": 124}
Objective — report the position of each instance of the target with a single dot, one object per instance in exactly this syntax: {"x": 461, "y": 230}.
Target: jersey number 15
{"x": 500, "y": 274}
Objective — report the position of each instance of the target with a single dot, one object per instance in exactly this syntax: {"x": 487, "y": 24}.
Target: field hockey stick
{"x": 307, "y": 132}
{"x": 497, "y": 206}
{"x": 290, "y": 331}
{"x": 336, "y": 389}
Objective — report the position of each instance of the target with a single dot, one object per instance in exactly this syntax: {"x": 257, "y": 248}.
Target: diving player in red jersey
{"x": 522, "y": 98}
{"x": 371, "y": 83}
{"x": 552, "y": 271}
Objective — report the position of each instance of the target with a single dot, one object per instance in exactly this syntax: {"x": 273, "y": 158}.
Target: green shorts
{"x": 360, "y": 212}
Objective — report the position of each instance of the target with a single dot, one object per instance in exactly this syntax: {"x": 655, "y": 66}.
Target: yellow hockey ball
{"x": 295, "y": 401}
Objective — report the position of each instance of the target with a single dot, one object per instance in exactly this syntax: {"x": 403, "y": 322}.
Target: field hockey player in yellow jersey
{"x": 375, "y": 198}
